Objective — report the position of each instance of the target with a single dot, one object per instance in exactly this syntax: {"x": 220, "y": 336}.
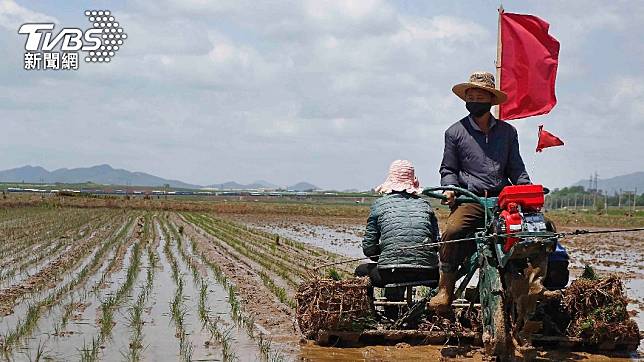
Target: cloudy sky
{"x": 328, "y": 92}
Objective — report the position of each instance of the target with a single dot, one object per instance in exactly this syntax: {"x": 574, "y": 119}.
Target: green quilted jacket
{"x": 400, "y": 220}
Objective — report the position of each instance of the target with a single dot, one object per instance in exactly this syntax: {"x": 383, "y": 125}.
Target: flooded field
{"x": 105, "y": 284}
{"x": 79, "y": 283}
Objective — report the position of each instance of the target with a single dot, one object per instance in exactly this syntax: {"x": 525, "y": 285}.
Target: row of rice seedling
{"x": 301, "y": 257}
{"x": 10, "y": 215}
{"x": 135, "y": 319}
{"x": 39, "y": 285}
{"x": 56, "y": 268}
{"x": 20, "y": 237}
{"x": 278, "y": 291}
{"x": 242, "y": 319}
{"x": 273, "y": 246}
{"x": 285, "y": 270}
{"x": 24, "y": 327}
{"x": 36, "y": 234}
{"x": 213, "y": 324}
{"x": 178, "y": 309}
{"x": 64, "y": 339}
{"x": 35, "y": 258}
{"x": 113, "y": 302}
{"x": 283, "y": 294}
{"x": 224, "y": 337}
{"x": 307, "y": 256}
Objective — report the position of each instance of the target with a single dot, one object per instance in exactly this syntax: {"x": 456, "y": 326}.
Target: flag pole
{"x": 499, "y": 49}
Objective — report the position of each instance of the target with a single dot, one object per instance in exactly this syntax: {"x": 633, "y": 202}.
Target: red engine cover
{"x": 529, "y": 197}
{"x": 513, "y": 224}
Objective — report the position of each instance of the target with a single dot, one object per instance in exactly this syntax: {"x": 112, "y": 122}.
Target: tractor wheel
{"x": 496, "y": 335}
{"x": 499, "y": 344}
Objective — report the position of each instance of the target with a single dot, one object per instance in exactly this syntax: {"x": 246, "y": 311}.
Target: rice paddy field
{"x": 206, "y": 280}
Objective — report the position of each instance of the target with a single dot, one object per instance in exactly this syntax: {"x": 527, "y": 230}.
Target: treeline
{"x": 579, "y": 197}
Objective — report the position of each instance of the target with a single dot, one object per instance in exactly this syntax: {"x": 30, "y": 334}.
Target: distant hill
{"x": 300, "y": 186}
{"x": 101, "y": 174}
{"x": 106, "y": 175}
{"x": 303, "y": 186}
{"x": 232, "y": 185}
{"x": 627, "y": 182}
{"x": 265, "y": 184}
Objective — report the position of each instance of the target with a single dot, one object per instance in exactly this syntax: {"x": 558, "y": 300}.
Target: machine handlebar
{"x": 465, "y": 196}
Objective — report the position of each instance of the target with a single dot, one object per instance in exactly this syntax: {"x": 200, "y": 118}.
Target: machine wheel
{"x": 499, "y": 344}
{"x": 496, "y": 335}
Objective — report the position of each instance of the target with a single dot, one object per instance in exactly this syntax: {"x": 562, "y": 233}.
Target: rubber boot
{"x": 442, "y": 301}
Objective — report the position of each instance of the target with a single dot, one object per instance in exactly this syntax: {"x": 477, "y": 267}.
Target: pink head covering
{"x": 402, "y": 177}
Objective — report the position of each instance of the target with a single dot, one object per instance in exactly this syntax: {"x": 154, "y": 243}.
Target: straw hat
{"x": 401, "y": 177}
{"x": 480, "y": 80}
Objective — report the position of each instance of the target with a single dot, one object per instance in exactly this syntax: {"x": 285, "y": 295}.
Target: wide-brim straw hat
{"x": 480, "y": 80}
{"x": 401, "y": 177}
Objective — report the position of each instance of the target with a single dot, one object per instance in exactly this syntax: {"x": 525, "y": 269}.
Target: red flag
{"x": 529, "y": 58}
{"x": 547, "y": 139}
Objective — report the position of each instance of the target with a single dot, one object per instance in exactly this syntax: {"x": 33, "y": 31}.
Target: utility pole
{"x": 606, "y": 202}
{"x": 595, "y": 192}
{"x": 575, "y": 201}
{"x": 619, "y": 199}
{"x": 596, "y": 181}
{"x": 634, "y": 199}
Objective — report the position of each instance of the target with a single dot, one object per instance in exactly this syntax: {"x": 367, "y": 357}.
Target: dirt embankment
{"x": 217, "y": 205}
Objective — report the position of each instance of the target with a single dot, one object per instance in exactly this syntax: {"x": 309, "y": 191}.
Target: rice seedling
{"x": 278, "y": 291}
{"x": 334, "y": 274}
{"x": 178, "y": 311}
{"x": 89, "y": 353}
{"x": 135, "y": 319}
{"x": 110, "y": 304}
{"x": 40, "y": 352}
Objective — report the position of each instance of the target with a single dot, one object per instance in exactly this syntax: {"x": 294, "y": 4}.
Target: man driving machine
{"x": 481, "y": 155}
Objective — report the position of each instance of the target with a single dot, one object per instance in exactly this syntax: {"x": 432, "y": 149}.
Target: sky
{"x": 329, "y": 92}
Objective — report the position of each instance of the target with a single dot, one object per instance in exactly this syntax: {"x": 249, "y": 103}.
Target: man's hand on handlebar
{"x": 451, "y": 198}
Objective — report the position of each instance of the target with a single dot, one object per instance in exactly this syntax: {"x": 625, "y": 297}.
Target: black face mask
{"x": 477, "y": 109}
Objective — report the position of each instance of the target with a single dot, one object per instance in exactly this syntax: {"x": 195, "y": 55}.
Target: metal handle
{"x": 466, "y": 196}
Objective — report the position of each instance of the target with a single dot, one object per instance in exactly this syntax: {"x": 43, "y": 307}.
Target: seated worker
{"x": 481, "y": 155}
{"x": 398, "y": 220}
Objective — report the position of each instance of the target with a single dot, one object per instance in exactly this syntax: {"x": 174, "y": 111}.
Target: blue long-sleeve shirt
{"x": 479, "y": 162}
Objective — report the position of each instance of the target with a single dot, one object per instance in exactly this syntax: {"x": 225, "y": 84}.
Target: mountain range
{"x": 628, "y": 182}
{"x": 106, "y": 174}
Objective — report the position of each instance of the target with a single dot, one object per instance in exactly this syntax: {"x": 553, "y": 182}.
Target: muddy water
{"x": 158, "y": 326}
{"x": 620, "y": 253}
{"x": 400, "y": 352}
{"x": 343, "y": 241}
{"x": 403, "y": 352}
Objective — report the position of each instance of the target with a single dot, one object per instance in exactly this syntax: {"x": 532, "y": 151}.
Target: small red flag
{"x": 547, "y": 139}
{"x": 529, "y": 59}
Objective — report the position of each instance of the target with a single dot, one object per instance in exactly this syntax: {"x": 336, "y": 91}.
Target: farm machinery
{"x": 512, "y": 255}
{"x": 513, "y": 252}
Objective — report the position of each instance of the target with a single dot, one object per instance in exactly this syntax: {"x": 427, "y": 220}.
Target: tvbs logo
{"x": 46, "y": 50}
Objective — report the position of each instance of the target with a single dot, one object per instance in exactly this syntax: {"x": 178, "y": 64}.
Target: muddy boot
{"x": 442, "y": 301}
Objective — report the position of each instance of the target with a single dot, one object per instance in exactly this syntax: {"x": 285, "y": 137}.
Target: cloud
{"x": 13, "y": 15}
{"x": 326, "y": 91}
